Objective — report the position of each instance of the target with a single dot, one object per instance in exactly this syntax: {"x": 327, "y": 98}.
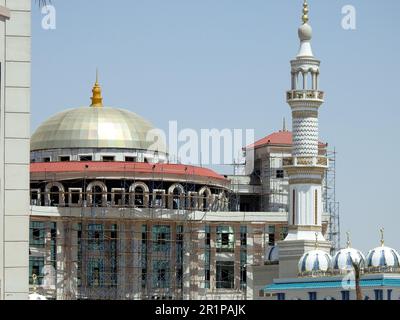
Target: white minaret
{"x": 306, "y": 168}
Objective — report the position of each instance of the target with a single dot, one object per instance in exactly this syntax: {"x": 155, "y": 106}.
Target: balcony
{"x": 305, "y": 95}
{"x": 319, "y": 161}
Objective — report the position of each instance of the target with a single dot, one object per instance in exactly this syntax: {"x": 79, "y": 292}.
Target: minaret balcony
{"x": 305, "y": 95}
{"x": 306, "y": 161}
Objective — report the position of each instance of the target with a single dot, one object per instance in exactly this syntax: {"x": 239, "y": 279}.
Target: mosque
{"x": 111, "y": 217}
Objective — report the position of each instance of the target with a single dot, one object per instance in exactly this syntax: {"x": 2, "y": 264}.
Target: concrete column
{"x": 186, "y": 263}
{"x": 60, "y": 282}
{"x": 73, "y": 271}
{"x": 236, "y": 229}
{"x": 213, "y": 251}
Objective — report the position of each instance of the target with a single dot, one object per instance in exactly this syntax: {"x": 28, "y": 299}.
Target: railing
{"x": 306, "y": 161}
{"x": 304, "y": 95}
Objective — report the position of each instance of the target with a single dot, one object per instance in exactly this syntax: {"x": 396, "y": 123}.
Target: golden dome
{"x": 90, "y": 127}
{"x": 96, "y": 127}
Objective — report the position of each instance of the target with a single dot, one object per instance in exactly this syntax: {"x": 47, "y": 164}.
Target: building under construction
{"x": 111, "y": 218}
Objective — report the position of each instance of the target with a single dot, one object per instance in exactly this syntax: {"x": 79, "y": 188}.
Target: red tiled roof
{"x": 127, "y": 167}
{"x": 276, "y": 138}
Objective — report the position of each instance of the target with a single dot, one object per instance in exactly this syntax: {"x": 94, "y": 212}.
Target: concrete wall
{"x": 15, "y": 57}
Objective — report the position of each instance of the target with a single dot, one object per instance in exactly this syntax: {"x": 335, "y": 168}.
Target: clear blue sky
{"x": 225, "y": 64}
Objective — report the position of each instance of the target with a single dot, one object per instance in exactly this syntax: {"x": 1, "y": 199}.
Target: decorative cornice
{"x": 305, "y": 114}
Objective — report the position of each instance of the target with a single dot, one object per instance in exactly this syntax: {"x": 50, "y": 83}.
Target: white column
{"x": 60, "y": 282}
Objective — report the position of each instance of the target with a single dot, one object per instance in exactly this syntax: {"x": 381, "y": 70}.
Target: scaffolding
{"x": 331, "y": 205}
{"x": 124, "y": 251}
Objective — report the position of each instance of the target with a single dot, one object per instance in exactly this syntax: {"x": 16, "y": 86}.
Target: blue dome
{"x": 383, "y": 259}
{"x": 314, "y": 262}
{"x": 342, "y": 261}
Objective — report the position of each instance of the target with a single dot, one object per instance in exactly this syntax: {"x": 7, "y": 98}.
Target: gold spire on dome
{"x": 305, "y": 12}
{"x": 348, "y": 239}
{"x": 382, "y": 237}
{"x": 97, "y": 99}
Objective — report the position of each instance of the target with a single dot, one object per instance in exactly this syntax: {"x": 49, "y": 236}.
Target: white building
{"x": 15, "y": 58}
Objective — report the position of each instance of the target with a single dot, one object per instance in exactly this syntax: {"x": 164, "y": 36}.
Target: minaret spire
{"x": 307, "y": 167}
{"x": 348, "y": 239}
{"x": 97, "y": 99}
{"x": 382, "y": 237}
{"x": 305, "y": 12}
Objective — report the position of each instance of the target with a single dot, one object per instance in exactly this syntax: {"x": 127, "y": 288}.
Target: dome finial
{"x": 348, "y": 239}
{"x": 382, "y": 237}
{"x": 284, "y": 125}
{"x": 97, "y": 99}
{"x": 305, "y": 12}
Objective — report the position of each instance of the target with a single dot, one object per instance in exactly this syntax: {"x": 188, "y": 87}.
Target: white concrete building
{"x": 15, "y": 59}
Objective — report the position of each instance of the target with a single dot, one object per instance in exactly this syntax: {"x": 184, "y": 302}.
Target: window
{"x": 161, "y": 238}
{"x": 389, "y": 294}
{"x": 161, "y": 274}
{"x": 345, "y": 295}
{"x": 225, "y": 275}
{"x": 207, "y": 261}
{"x": 64, "y": 158}
{"x": 281, "y": 296}
{"x": 37, "y": 234}
{"x": 36, "y": 266}
{"x": 280, "y": 174}
{"x": 95, "y": 272}
{"x": 378, "y": 294}
{"x": 271, "y": 236}
{"x": 312, "y": 296}
{"x": 284, "y": 233}
{"x": 46, "y": 159}
{"x": 130, "y": 159}
{"x": 243, "y": 235}
{"x": 85, "y": 158}
{"x": 96, "y": 236}
{"x": 225, "y": 239}
{"x": 108, "y": 158}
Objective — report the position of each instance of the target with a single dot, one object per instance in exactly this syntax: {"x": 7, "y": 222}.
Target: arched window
{"x": 205, "y": 198}
{"x": 176, "y": 194}
{"x": 139, "y": 195}
{"x": 97, "y": 194}
{"x": 54, "y": 194}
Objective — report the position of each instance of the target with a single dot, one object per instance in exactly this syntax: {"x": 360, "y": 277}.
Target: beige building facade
{"x": 15, "y": 61}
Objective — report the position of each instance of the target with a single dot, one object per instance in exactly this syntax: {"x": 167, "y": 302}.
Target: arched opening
{"x": 139, "y": 197}
{"x": 54, "y": 196}
{"x": 97, "y": 196}
{"x": 205, "y": 198}
{"x": 176, "y": 197}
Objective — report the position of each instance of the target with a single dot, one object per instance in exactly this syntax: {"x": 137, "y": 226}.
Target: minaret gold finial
{"x": 305, "y": 12}
{"x": 316, "y": 241}
{"x": 97, "y": 99}
{"x": 284, "y": 125}
{"x": 382, "y": 237}
{"x": 348, "y": 239}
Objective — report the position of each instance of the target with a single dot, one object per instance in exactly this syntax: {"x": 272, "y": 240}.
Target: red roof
{"x": 127, "y": 167}
{"x": 276, "y": 138}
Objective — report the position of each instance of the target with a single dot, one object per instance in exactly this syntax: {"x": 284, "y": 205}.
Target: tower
{"x": 306, "y": 167}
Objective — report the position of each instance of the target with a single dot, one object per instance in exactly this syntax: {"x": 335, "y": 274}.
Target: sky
{"x": 225, "y": 64}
